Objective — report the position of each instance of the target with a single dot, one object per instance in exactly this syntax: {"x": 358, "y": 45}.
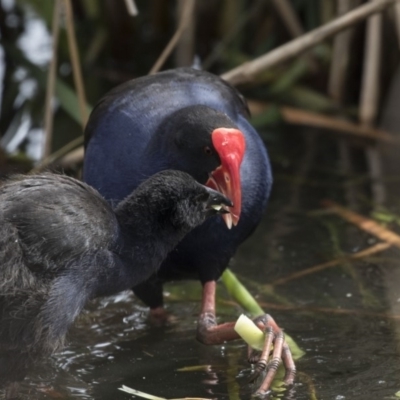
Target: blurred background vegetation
{"x": 345, "y": 78}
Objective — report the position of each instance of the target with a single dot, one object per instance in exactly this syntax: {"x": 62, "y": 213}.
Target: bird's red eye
{"x": 207, "y": 150}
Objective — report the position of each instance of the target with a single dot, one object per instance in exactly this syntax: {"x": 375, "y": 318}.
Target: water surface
{"x": 350, "y": 354}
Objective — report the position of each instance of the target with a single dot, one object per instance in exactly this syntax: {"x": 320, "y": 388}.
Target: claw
{"x": 290, "y": 367}
{"x": 253, "y": 355}
{"x": 281, "y": 353}
{"x": 259, "y": 369}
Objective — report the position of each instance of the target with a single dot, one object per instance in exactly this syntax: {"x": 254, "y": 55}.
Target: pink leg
{"x": 208, "y": 332}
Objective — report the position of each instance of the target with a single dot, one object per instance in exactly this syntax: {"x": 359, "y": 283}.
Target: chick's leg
{"x": 150, "y": 292}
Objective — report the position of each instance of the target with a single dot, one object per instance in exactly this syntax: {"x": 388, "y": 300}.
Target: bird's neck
{"x": 145, "y": 242}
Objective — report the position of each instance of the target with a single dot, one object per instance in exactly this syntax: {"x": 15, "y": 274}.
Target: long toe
{"x": 281, "y": 353}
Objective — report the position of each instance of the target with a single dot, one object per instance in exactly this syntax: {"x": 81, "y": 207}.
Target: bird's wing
{"x": 56, "y": 218}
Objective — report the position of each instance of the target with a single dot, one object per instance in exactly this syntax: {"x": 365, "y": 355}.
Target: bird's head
{"x": 211, "y": 148}
{"x": 172, "y": 201}
{"x": 199, "y": 202}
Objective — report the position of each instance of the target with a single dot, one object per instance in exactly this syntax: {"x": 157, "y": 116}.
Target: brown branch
{"x": 297, "y": 116}
{"x": 340, "y": 56}
{"x": 293, "y": 25}
{"x": 333, "y": 263}
{"x": 372, "y": 62}
{"x": 364, "y": 223}
{"x": 187, "y": 14}
{"x": 249, "y": 70}
{"x": 230, "y": 33}
{"x": 76, "y": 67}
{"x": 184, "y": 50}
{"x": 289, "y": 17}
{"x": 51, "y": 81}
{"x": 72, "y": 158}
{"x": 337, "y": 311}
{"x": 58, "y": 154}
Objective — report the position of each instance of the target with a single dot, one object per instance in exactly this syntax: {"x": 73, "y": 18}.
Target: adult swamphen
{"x": 62, "y": 244}
{"x": 193, "y": 121}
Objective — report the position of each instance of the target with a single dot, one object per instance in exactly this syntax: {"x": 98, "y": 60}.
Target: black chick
{"x": 61, "y": 244}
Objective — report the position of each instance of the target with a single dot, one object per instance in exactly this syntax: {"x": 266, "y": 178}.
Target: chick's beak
{"x": 217, "y": 203}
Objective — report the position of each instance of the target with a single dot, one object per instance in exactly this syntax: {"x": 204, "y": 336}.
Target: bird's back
{"x": 52, "y": 218}
{"x": 45, "y": 221}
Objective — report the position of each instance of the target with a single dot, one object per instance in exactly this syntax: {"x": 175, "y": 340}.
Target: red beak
{"x": 230, "y": 146}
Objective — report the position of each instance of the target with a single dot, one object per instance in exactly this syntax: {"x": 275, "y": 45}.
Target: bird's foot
{"x": 265, "y": 361}
{"x": 210, "y": 333}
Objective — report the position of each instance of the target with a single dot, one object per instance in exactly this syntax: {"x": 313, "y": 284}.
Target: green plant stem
{"x": 242, "y": 296}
